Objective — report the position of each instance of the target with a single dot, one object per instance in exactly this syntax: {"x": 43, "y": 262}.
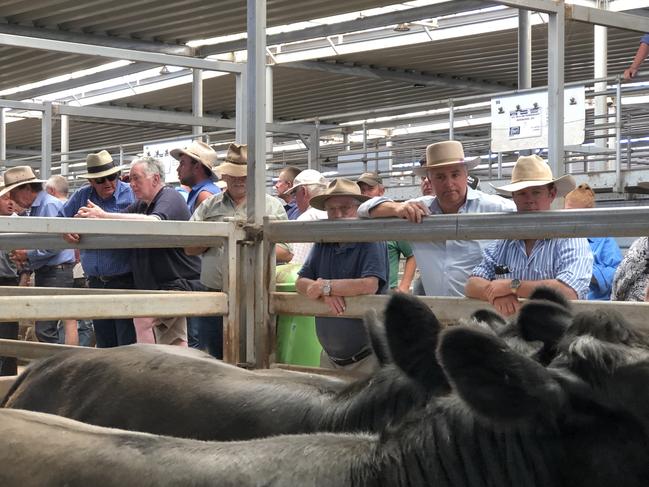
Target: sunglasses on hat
{"x": 110, "y": 177}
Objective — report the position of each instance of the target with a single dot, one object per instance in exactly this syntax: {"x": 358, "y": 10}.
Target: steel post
{"x": 3, "y": 136}
{"x": 524, "y": 50}
{"x": 619, "y": 185}
{"x": 65, "y": 143}
{"x": 197, "y": 99}
{"x": 556, "y": 57}
{"x": 46, "y": 141}
{"x": 451, "y": 120}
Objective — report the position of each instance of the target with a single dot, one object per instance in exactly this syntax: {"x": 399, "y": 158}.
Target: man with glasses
{"x": 334, "y": 271}
{"x": 106, "y": 268}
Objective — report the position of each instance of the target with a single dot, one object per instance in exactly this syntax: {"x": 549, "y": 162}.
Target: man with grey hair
{"x": 58, "y": 187}
{"x": 156, "y": 268}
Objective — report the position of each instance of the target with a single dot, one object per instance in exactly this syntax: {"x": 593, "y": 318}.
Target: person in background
{"x": 155, "y": 269}
{"x": 334, "y": 271}
{"x": 8, "y": 277}
{"x": 195, "y": 170}
{"x": 513, "y": 269}
{"x": 58, "y": 187}
{"x": 606, "y": 252}
{"x": 371, "y": 185}
{"x": 306, "y": 185}
{"x": 230, "y": 203}
{"x": 284, "y": 183}
{"x": 52, "y": 268}
{"x": 638, "y": 59}
{"x": 104, "y": 268}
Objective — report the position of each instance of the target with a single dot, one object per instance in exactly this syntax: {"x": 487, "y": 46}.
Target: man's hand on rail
{"x": 314, "y": 291}
{"x": 336, "y": 304}
{"x": 412, "y": 211}
{"x": 90, "y": 211}
{"x": 497, "y": 289}
{"x": 507, "y": 305}
{"x": 195, "y": 250}
{"x": 73, "y": 238}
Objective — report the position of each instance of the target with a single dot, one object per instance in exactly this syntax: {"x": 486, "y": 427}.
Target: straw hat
{"x": 531, "y": 171}
{"x": 199, "y": 151}
{"x": 445, "y": 154}
{"x": 581, "y": 197}
{"x": 99, "y": 165}
{"x": 306, "y": 178}
{"x": 370, "y": 178}
{"x": 338, "y": 187}
{"x": 18, "y": 176}
{"x": 236, "y": 162}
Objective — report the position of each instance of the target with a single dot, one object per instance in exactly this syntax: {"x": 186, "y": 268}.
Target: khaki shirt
{"x": 216, "y": 209}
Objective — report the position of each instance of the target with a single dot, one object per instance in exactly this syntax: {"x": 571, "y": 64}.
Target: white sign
{"x": 520, "y": 122}
{"x": 161, "y": 151}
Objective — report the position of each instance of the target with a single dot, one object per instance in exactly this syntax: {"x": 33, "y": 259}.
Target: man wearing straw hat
{"x": 106, "y": 268}
{"x": 336, "y": 270}
{"x": 444, "y": 266}
{"x": 195, "y": 170}
{"x": 513, "y": 269}
{"x": 230, "y": 203}
{"x": 52, "y": 268}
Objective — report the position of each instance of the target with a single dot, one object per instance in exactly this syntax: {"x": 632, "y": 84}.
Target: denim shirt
{"x": 46, "y": 205}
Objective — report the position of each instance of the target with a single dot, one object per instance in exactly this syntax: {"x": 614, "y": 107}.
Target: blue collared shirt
{"x": 102, "y": 262}
{"x": 568, "y": 260}
{"x": 292, "y": 210}
{"x": 446, "y": 266}
{"x": 47, "y": 205}
{"x": 206, "y": 185}
{"x": 606, "y": 258}
{"x": 645, "y": 39}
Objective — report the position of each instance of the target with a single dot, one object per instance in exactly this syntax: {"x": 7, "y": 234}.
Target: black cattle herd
{"x": 550, "y": 398}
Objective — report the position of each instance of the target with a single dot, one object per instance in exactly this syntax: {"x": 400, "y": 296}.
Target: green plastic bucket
{"x": 297, "y": 342}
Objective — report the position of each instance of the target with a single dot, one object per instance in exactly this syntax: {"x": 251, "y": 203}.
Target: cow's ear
{"x": 495, "y": 381}
{"x": 490, "y": 319}
{"x": 376, "y": 334}
{"x": 548, "y": 294}
{"x": 412, "y": 331}
{"x": 546, "y": 322}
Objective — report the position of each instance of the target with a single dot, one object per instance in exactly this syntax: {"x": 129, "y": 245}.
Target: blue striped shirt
{"x": 104, "y": 262}
{"x": 47, "y": 205}
{"x": 568, "y": 260}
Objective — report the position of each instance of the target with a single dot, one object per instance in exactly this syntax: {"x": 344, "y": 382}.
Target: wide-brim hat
{"x": 18, "y": 176}
{"x": 531, "y": 171}
{"x": 100, "y": 164}
{"x": 307, "y": 177}
{"x": 338, "y": 187}
{"x": 235, "y": 163}
{"x": 199, "y": 151}
{"x": 443, "y": 154}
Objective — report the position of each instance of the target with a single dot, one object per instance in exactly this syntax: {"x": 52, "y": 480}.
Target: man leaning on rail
{"x": 444, "y": 266}
{"x": 334, "y": 271}
{"x": 513, "y": 269}
{"x": 106, "y": 268}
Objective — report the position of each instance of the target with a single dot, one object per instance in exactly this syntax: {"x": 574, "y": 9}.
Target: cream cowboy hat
{"x": 18, "y": 176}
{"x": 531, "y": 171}
{"x": 338, "y": 187}
{"x": 99, "y": 165}
{"x": 445, "y": 154}
{"x": 236, "y": 162}
{"x": 199, "y": 151}
{"x": 306, "y": 178}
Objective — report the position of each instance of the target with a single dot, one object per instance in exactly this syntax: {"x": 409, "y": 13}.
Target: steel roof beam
{"x": 398, "y": 75}
{"x": 365, "y": 23}
{"x": 97, "y": 40}
{"x": 119, "y": 53}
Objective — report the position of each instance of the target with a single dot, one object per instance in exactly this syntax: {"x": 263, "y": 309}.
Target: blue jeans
{"x": 51, "y": 276}
{"x": 85, "y": 331}
{"x": 209, "y": 333}
{"x": 113, "y": 332}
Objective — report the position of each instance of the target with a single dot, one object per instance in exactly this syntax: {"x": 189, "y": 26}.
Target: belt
{"x": 353, "y": 359}
{"x": 115, "y": 277}
{"x": 57, "y": 266}
{"x": 8, "y": 281}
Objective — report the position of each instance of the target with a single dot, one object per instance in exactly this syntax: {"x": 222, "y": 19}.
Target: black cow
{"x": 508, "y": 422}
{"x": 165, "y": 390}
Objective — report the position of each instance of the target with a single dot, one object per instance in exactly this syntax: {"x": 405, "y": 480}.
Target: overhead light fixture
{"x": 164, "y": 69}
{"x": 404, "y": 27}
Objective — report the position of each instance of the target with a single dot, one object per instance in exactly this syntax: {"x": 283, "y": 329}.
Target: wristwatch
{"x": 514, "y": 285}
{"x": 326, "y": 288}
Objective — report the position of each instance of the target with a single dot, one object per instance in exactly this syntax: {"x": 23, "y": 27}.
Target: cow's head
{"x": 591, "y": 402}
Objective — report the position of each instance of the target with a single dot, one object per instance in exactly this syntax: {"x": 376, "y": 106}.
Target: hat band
{"x": 521, "y": 180}
{"x": 238, "y": 163}
{"x": 103, "y": 167}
